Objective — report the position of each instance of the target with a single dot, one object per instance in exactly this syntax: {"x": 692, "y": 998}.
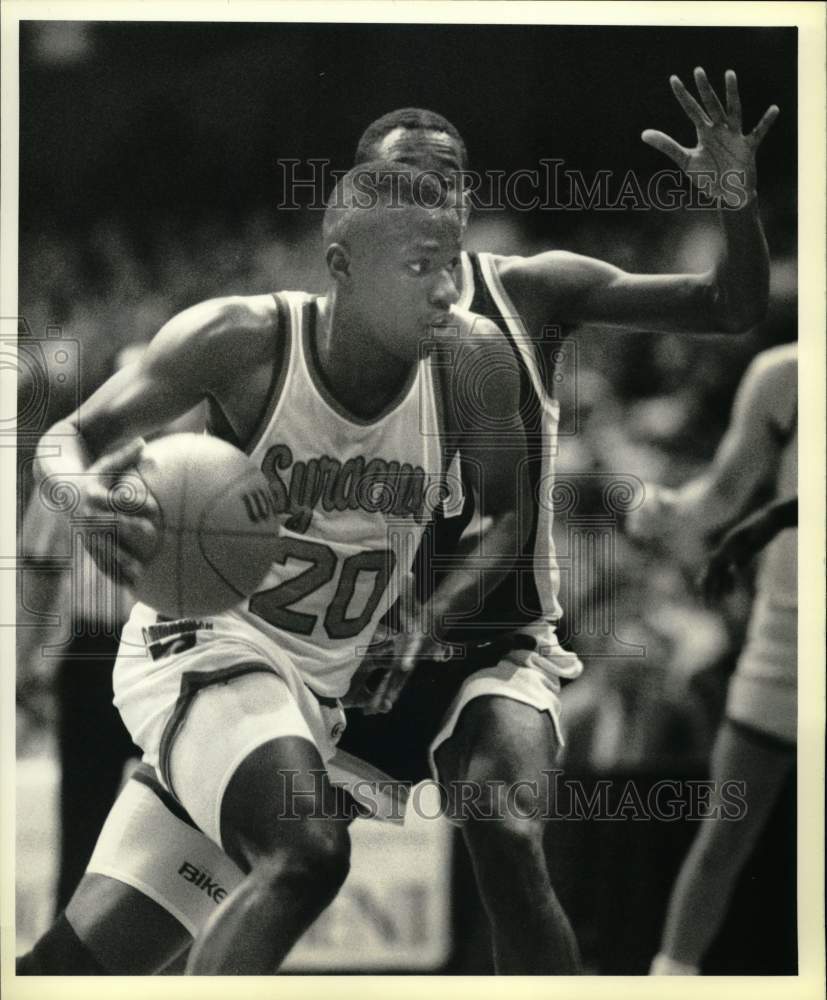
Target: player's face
{"x": 426, "y": 149}
{"x": 402, "y": 274}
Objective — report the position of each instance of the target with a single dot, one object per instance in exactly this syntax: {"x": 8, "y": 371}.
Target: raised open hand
{"x": 723, "y": 156}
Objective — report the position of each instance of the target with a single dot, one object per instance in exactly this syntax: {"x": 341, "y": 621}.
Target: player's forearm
{"x": 706, "y": 506}
{"x": 62, "y": 451}
{"x": 741, "y": 279}
{"x": 764, "y": 524}
{"x": 682, "y": 518}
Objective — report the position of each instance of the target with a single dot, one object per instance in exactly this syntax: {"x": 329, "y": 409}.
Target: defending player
{"x": 496, "y": 730}
{"x": 756, "y": 742}
{"x": 523, "y": 295}
{"x": 338, "y": 380}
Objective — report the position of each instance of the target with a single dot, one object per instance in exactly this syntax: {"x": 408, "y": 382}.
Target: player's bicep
{"x": 172, "y": 376}
{"x": 578, "y": 290}
{"x": 132, "y": 403}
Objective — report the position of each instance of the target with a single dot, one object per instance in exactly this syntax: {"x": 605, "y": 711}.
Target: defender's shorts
{"x": 527, "y": 675}
{"x": 526, "y": 666}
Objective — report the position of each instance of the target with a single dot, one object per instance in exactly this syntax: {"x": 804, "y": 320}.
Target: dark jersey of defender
{"x": 528, "y": 593}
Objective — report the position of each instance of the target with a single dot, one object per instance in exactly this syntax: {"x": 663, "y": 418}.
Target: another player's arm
{"x": 730, "y": 297}
{"x": 746, "y": 459}
{"x": 741, "y": 544}
{"x": 192, "y": 356}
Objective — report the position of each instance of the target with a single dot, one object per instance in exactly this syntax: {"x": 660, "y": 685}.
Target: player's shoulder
{"x": 775, "y": 367}
{"x": 783, "y": 358}
{"x": 234, "y": 314}
{"x": 770, "y": 384}
{"x": 231, "y": 326}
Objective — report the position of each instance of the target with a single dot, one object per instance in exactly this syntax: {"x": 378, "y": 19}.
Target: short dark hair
{"x": 376, "y": 182}
{"x": 407, "y": 118}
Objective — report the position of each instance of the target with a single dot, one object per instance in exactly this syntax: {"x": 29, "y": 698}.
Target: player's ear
{"x": 337, "y": 257}
{"x": 464, "y": 206}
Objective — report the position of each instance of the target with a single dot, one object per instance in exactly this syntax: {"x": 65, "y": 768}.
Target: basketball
{"x": 218, "y": 526}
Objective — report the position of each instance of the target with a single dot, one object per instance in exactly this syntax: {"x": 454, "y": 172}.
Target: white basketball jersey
{"x": 357, "y": 496}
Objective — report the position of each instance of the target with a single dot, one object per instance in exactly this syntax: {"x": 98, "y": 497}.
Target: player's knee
{"x": 516, "y": 806}
{"x": 511, "y": 839}
{"x": 328, "y": 852}
{"x": 318, "y": 860}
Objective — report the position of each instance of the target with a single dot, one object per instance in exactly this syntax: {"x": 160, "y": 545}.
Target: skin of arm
{"x": 746, "y": 460}
{"x": 741, "y": 544}
{"x": 758, "y": 529}
{"x": 194, "y": 355}
{"x": 493, "y": 473}
{"x": 731, "y": 297}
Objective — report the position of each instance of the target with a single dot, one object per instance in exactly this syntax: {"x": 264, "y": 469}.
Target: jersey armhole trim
{"x": 468, "y": 283}
{"x": 281, "y": 362}
{"x": 447, "y": 433}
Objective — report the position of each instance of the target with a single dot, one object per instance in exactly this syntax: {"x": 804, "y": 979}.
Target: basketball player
{"x": 501, "y": 736}
{"x": 496, "y": 729}
{"x": 757, "y": 740}
{"x": 330, "y": 388}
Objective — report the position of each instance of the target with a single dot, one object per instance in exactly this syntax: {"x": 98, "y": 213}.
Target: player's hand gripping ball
{"x": 218, "y": 527}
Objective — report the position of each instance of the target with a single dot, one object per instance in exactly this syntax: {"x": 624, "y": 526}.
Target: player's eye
{"x": 421, "y": 266}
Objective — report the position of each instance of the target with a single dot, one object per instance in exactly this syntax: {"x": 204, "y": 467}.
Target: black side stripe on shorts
{"x": 193, "y": 681}
{"x": 145, "y": 775}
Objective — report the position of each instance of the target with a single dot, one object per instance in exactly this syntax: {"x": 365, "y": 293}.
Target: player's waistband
{"x": 529, "y": 636}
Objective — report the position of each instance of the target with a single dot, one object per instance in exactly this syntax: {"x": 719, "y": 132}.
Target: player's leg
{"x": 152, "y": 882}
{"x": 499, "y": 745}
{"x": 260, "y": 790}
{"x": 127, "y": 932}
{"x": 707, "y": 878}
{"x": 109, "y": 928}
{"x": 280, "y": 822}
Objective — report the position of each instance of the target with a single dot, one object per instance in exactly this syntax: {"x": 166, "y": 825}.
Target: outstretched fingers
{"x": 666, "y": 145}
{"x": 768, "y": 119}
{"x": 712, "y": 105}
{"x": 733, "y": 98}
{"x": 694, "y": 111}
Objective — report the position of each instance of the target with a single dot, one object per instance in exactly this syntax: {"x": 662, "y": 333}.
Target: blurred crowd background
{"x": 149, "y": 181}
